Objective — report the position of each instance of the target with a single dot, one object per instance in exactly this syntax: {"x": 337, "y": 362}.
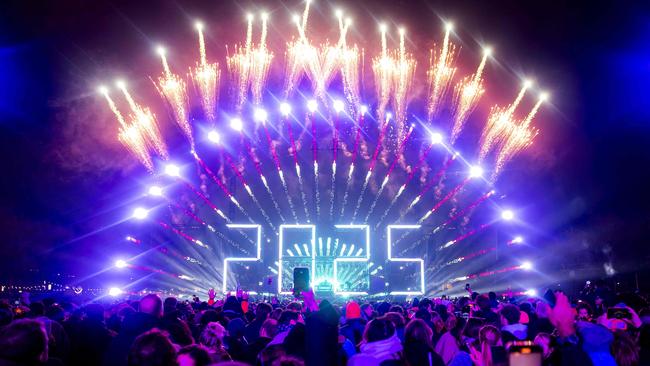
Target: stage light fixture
{"x": 140, "y": 213}
{"x": 214, "y": 136}
{"x": 312, "y": 105}
{"x": 155, "y": 191}
{"x": 236, "y": 124}
{"x": 172, "y": 170}
{"x": 121, "y": 263}
{"x": 507, "y": 215}
{"x": 285, "y": 108}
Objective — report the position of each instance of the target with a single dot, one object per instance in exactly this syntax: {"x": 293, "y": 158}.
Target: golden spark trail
{"x": 498, "y": 122}
{"x": 520, "y": 137}
{"x": 467, "y": 94}
{"x": 174, "y": 90}
{"x": 383, "y": 67}
{"x": 142, "y": 118}
{"x": 403, "y": 80}
{"x": 206, "y": 77}
{"x": 130, "y": 135}
{"x": 441, "y": 72}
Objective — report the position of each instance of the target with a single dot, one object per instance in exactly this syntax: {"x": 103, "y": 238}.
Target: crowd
{"x": 478, "y": 329}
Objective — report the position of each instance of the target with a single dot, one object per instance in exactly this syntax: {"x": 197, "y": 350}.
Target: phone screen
{"x": 525, "y": 355}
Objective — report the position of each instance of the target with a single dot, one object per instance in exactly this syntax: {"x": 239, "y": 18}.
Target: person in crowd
{"x": 511, "y": 327}
{"x": 418, "y": 349}
{"x": 485, "y": 310}
{"x": 252, "y": 331}
{"x": 585, "y": 313}
{"x": 152, "y": 348}
{"x": 58, "y": 341}
{"x": 193, "y": 355}
{"x": 380, "y": 344}
{"x": 150, "y": 310}
{"x": 23, "y": 342}
{"x": 354, "y": 324}
{"x": 545, "y": 342}
{"x": 91, "y": 338}
{"x": 268, "y": 330}
{"x": 212, "y": 338}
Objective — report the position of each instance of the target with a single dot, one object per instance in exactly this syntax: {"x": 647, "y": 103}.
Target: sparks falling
{"x": 519, "y": 137}
{"x": 206, "y": 77}
{"x": 173, "y": 89}
{"x": 440, "y": 74}
{"x": 249, "y": 65}
{"x": 467, "y": 94}
{"x": 498, "y": 124}
{"x": 129, "y": 134}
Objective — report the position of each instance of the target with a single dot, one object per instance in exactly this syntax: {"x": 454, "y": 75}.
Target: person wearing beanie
{"x": 354, "y": 325}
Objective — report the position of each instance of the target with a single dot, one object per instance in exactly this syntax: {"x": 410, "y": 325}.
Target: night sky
{"x": 584, "y": 184}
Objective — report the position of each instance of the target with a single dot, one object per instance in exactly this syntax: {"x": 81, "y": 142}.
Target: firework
{"x": 174, "y": 90}
{"x": 520, "y": 136}
{"x": 394, "y": 72}
{"x": 206, "y": 77}
{"x": 249, "y": 65}
{"x": 440, "y": 74}
{"x": 130, "y": 135}
{"x": 498, "y": 124}
{"x": 467, "y": 94}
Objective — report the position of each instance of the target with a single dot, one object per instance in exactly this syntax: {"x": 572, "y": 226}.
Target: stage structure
{"x": 376, "y": 192}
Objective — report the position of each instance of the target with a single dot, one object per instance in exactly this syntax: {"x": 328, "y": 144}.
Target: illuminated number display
{"x": 305, "y": 253}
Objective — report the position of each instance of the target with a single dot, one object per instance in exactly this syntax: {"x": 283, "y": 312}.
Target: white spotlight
{"x": 518, "y": 240}
{"x": 102, "y": 89}
{"x": 172, "y": 170}
{"x": 527, "y": 266}
{"x": 160, "y": 50}
{"x": 214, "y": 136}
{"x": 507, "y": 215}
{"x": 285, "y": 108}
{"x": 338, "y": 13}
{"x": 198, "y": 25}
{"x": 312, "y": 105}
{"x": 436, "y": 138}
{"x": 532, "y": 292}
{"x": 115, "y": 291}
{"x": 236, "y": 124}
{"x": 260, "y": 115}
{"x": 528, "y": 83}
{"x": 388, "y": 116}
{"x": 120, "y": 263}
{"x": 543, "y": 96}
{"x": 140, "y": 213}
{"x": 475, "y": 172}
{"x": 120, "y": 84}
{"x": 449, "y": 26}
{"x": 487, "y": 50}
{"x": 155, "y": 191}
{"x": 338, "y": 106}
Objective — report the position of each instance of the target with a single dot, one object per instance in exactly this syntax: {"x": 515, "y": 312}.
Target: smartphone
{"x": 619, "y": 313}
{"x": 524, "y": 353}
